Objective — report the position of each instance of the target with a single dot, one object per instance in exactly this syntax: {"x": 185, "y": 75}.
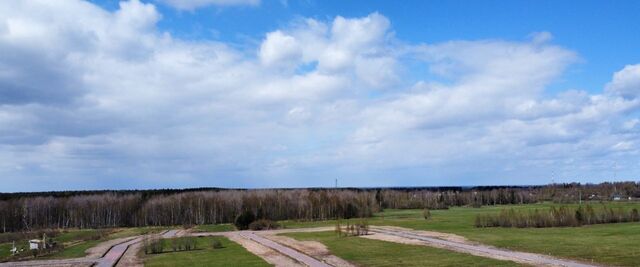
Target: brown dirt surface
{"x": 261, "y": 251}
{"x": 312, "y": 248}
{"x": 102, "y": 248}
{"x": 407, "y": 236}
{"x": 131, "y": 257}
{"x": 439, "y": 235}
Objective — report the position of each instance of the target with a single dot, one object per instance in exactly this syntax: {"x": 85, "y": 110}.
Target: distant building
{"x": 38, "y": 243}
{"x": 35, "y": 244}
{"x": 616, "y": 197}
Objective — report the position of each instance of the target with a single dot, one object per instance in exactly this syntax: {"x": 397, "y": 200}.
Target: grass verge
{"x": 231, "y": 254}
{"x": 375, "y": 253}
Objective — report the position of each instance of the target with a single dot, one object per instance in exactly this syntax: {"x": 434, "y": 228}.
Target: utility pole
{"x": 336, "y": 183}
{"x": 580, "y": 196}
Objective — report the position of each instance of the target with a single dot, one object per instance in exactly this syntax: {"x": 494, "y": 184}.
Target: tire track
{"x": 287, "y": 251}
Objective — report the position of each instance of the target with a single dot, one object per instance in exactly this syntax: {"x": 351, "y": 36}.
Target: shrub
{"x": 243, "y": 220}
{"x": 216, "y": 244}
{"x": 360, "y": 228}
{"x": 263, "y": 224}
{"x": 635, "y": 215}
{"x": 338, "y": 229}
{"x": 426, "y": 214}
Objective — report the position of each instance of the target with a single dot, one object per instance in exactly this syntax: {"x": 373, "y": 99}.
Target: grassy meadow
{"x": 231, "y": 254}
{"x": 77, "y": 241}
{"x": 375, "y": 253}
{"x": 611, "y": 244}
{"x": 608, "y": 244}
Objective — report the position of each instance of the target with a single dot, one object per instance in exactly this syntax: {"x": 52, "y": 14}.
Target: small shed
{"x": 34, "y": 244}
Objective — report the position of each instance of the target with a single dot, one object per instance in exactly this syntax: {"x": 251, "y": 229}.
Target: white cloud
{"x": 194, "y": 4}
{"x": 280, "y": 49}
{"x": 626, "y": 82}
{"x": 114, "y": 102}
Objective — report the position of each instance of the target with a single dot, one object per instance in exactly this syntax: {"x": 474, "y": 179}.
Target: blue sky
{"x": 602, "y": 33}
{"x": 250, "y": 93}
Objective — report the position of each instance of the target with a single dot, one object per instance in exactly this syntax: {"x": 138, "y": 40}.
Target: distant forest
{"x": 101, "y": 209}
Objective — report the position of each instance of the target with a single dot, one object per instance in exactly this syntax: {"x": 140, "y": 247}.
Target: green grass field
{"x": 231, "y": 254}
{"x": 77, "y": 241}
{"x": 375, "y": 253}
{"x": 612, "y": 244}
{"x": 214, "y": 228}
{"x": 609, "y": 244}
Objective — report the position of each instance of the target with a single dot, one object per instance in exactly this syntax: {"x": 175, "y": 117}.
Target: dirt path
{"x": 106, "y": 254}
{"x": 85, "y": 262}
{"x": 409, "y": 236}
{"x": 269, "y": 255}
{"x": 312, "y": 248}
{"x": 130, "y": 257}
{"x": 298, "y": 256}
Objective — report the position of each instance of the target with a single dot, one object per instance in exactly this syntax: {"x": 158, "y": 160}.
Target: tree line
{"x": 557, "y": 217}
{"x": 103, "y": 209}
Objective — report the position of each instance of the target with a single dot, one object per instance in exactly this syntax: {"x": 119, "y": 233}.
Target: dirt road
{"x": 303, "y": 258}
{"x": 479, "y": 250}
{"x": 110, "y": 258}
{"x": 62, "y": 263}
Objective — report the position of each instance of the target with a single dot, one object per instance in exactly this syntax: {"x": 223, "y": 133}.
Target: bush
{"x": 338, "y": 229}
{"x": 361, "y": 228}
{"x": 263, "y": 224}
{"x": 153, "y": 246}
{"x": 216, "y": 244}
{"x": 243, "y": 220}
{"x": 426, "y": 214}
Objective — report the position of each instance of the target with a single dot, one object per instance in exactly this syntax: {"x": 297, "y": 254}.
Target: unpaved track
{"x": 312, "y": 248}
{"x": 114, "y": 254}
{"x": 67, "y": 262}
{"x": 110, "y": 258}
{"x": 482, "y": 250}
{"x": 267, "y": 254}
{"x": 298, "y": 256}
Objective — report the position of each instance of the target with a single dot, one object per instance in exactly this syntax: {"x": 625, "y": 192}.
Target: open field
{"x": 606, "y": 244}
{"x": 231, "y": 254}
{"x": 77, "y": 241}
{"x": 366, "y": 252}
{"x": 612, "y": 244}
{"x": 214, "y": 228}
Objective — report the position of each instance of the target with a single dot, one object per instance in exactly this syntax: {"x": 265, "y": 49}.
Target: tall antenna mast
{"x": 336, "y": 182}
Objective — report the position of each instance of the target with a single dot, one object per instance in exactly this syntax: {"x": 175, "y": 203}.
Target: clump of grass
{"x": 216, "y": 243}
{"x": 263, "y": 224}
{"x": 426, "y": 214}
{"x": 357, "y": 229}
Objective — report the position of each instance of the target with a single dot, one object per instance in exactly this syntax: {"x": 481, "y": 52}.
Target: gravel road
{"x": 108, "y": 260}
{"x": 303, "y": 258}
{"x": 484, "y": 250}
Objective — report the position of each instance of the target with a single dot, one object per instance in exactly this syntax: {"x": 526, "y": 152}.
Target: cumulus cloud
{"x": 626, "y": 82}
{"x": 115, "y": 102}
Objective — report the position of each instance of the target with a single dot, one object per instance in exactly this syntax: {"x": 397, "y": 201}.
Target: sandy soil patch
{"x": 131, "y": 256}
{"x": 102, "y": 248}
{"x": 263, "y": 252}
{"x": 299, "y": 230}
{"x": 439, "y": 235}
{"x": 312, "y": 248}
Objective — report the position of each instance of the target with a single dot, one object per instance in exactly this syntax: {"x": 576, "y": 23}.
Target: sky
{"x": 253, "y": 93}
